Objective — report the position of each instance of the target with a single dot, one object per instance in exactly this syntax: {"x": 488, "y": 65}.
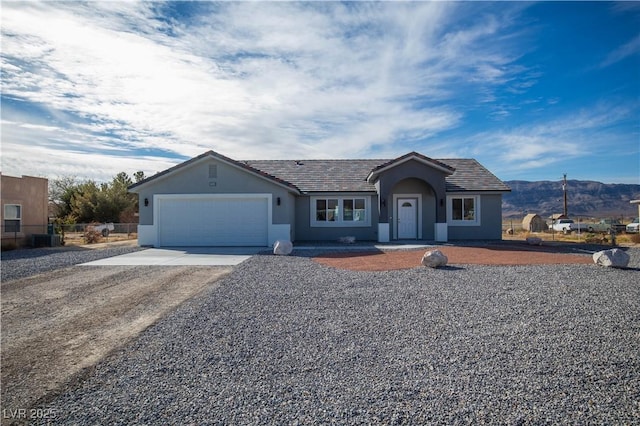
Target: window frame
{"x": 12, "y": 217}
{"x": 476, "y": 210}
{"x": 339, "y": 215}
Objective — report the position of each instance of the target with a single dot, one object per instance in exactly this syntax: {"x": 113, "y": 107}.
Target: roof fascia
{"x": 341, "y": 193}
{"x": 477, "y": 191}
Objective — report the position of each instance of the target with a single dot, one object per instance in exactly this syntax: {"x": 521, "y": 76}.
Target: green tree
{"x": 84, "y": 203}
{"x": 88, "y": 201}
{"x": 139, "y": 176}
{"x": 61, "y": 192}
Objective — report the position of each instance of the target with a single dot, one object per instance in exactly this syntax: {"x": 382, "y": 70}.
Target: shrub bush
{"x": 635, "y": 238}
{"x": 91, "y": 236}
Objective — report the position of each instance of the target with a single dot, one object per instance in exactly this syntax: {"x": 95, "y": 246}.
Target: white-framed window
{"x": 12, "y": 218}
{"x": 340, "y": 211}
{"x": 463, "y": 210}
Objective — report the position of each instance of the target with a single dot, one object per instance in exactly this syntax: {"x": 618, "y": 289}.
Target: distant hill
{"x": 584, "y": 198}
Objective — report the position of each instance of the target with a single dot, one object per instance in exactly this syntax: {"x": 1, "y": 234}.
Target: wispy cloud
{"x": 632, "y": 47}
{"x": 142, "y": 85}
{"x": 568, "y": 137}
{"x": 252, "y": 80}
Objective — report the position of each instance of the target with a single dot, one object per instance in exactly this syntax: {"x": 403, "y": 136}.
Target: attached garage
{"x": 190, "y": 220}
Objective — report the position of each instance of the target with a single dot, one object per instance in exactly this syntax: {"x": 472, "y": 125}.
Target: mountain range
{"x": 584, "y": 199}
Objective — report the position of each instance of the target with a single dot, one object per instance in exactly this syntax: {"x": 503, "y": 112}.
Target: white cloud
{"x": 250, "y": 80}
{"x": 539, "y": 145}
{"x": 632, "y": 47}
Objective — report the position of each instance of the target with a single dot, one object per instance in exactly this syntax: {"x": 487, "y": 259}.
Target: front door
{"x": 407, "y": 218}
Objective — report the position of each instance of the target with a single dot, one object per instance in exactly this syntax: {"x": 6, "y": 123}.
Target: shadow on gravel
{"x": 546, "y": 247}
{"x": 451, "y": 268}
{"x": 30, "y": 253}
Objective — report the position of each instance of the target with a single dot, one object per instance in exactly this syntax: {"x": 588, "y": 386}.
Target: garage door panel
{"x": 213, "y": 221}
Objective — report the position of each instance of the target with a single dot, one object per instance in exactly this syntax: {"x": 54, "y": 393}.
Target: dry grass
{"x": 584, "y": 237}
{"x": 77, "y": 238}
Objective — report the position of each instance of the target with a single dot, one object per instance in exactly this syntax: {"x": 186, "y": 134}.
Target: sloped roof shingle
{"x": 351, "y": 175}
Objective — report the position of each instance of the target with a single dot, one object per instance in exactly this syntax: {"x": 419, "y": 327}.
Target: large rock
{"x": 434, "y": 259}
{"x": 347, "y": 240}
{"x": 613, "y": 258}
{"x": 282, "y": 247}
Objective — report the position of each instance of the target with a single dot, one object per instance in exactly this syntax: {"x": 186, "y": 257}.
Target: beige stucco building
{"x": 24, "y": 210}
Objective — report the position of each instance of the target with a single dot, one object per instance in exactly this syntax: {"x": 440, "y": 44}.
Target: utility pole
{"x": 564, "y": 191}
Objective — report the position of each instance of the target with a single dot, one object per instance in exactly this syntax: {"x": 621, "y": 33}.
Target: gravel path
{"x": 284, "y": 340}
{"x": 27, "y": 262}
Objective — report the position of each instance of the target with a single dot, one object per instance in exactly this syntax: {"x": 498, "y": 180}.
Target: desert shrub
{"x": 91, "y": 236}
{"x": 593, "y": 238}
{"x": 635, "y": 238}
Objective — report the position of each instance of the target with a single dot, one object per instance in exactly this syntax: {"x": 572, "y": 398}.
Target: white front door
{"x": 407, "y": 218}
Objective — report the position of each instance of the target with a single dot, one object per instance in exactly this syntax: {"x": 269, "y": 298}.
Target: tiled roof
{"x": 351, "y": 175}
{"x": 472, "y": 176}
{"x": 321, "y": 175}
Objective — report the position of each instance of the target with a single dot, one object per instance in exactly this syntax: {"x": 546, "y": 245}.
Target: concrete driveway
{"x": 183, "y": 256}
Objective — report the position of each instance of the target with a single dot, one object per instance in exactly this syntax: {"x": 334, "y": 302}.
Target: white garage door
{"x": 212, "y": 221}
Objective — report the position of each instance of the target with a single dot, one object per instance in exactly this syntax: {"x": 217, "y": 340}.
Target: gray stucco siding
{"x": 388, "y": 182}
{"x": 490, "y": 227}
{"x": 194, "y": 179}
{"x": 304, "y": 231}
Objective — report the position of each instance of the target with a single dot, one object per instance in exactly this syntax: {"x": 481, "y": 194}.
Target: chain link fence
{"x": 19, "y": 235}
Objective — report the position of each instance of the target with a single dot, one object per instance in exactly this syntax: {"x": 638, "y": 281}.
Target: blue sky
{"x": 531, "y": 90}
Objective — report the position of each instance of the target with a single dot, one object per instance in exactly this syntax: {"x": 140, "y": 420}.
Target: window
{"x": 12, "y": 217}
{"x": 464, "y": 210}
{"x": 340, "y": 211}
{"x": 326, "y": 210}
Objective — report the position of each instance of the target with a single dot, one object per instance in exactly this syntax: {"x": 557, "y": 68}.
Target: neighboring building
{"x": 534, "y": 223}
{"x": 24, "y": 208}
{"x": 213, "y": 200}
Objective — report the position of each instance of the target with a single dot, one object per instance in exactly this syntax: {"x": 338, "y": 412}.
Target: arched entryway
{"x": 413, "y": 212}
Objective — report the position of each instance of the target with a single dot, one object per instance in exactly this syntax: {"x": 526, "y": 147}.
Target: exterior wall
{"x": 411, "y": 169}
{"x": 194, "y": 179}
{"x": 427, "y": 213}
{"x": 32, "y": 194}
{"x": 490, "y": 227}
{"x": 305, "y": 232}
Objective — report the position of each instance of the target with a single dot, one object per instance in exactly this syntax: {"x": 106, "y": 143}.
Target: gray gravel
{"x": 284, "y": 340}
{"x": 27, "y": 262}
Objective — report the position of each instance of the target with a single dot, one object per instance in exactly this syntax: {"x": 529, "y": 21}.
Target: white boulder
{"x": 434, "y": 259}
{"x": 613, "y": 258}
{"x": 282, "y": 247}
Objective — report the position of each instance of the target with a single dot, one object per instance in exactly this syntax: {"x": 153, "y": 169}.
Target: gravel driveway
{"x": 59, "y": 320}
{"x": 284, "y": 340}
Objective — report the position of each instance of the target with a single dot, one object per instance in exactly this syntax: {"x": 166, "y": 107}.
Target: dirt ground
{"x": 499, "y": 255}
{"x": 57, "y": 325}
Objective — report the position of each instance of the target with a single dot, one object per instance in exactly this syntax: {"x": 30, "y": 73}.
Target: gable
{"x": 412, "y": 157}
{"x": 208, "y": 171}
